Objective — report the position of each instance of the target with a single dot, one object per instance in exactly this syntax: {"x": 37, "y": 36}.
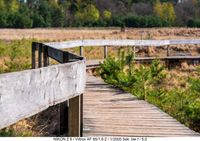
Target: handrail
{"x": 122, "y": 42}
{"x": 26, "y": 93}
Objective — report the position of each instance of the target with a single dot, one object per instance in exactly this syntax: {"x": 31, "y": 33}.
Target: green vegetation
{"x": 13, "y": 133}
{"x": 79, "y": 13}
{"x": 15, "y": 55}
{"x": 150, "y": 83}
{"x": 165, "y": 12}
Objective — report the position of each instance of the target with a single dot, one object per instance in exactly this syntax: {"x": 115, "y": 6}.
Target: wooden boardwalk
{"x": 111, "y": 112}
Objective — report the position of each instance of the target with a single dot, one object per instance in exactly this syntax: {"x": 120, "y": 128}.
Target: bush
{"x": 122, "y": 73}
{"x": 139, "y": 21}
{"x": 194, "y": 23}
{"x": 3, "y": 19}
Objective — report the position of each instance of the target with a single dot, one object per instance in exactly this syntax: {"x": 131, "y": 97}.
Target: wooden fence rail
{"x": 82, "y": 43}
{"x": 25, "y": 93}
{"x": 170, "y": 60}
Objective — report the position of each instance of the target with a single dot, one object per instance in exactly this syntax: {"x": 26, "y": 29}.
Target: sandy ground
{"x": 99, "y": 33}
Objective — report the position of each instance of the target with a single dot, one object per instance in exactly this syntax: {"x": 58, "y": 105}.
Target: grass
{"x": 61, "y": 34}
{"x": 15, "y": 55}
{"x": 175, "y": 92}
{"x": 8, "y": 132}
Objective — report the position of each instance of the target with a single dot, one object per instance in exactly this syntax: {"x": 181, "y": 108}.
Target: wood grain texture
{"x": 126, "y": 42}
{"x": 108, "y": 111}
{"x": 26, "y": 93}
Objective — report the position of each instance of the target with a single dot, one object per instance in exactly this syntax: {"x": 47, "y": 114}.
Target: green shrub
{"x": 122, "y": 73}
{"x": 194, "y": 23}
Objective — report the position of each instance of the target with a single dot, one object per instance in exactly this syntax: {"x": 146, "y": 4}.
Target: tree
{"x": 22, "y": 18}
{"x": 38, "y": 20}
{"x": 107, "y": 15}
{"x": 3, "y": 14}
{"x": 2, "y": 4}
{"x": 165, "y": 11}
{"x": 57, "y": 16}
{"x": 13, "y": 5}
{"x": 87, "y": 16}
{"x": 158, "y": 9}
{"x": 45, "y": 11}
{"x": 168, "y": 12}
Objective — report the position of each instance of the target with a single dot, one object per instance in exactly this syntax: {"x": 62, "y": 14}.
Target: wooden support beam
{"x": 134, "y": 51}
{"x": 63, "y": 118}
{"x": 56, "y": 54}
{"x": 63, "y": 107}
{"x": 40, "y": 55}
{"x": 75, "y": 117}
{"x": 167, "y": 62}
{"x": 105, "y": 52}
{"x": 168, "y": 51}
{"x": 45, "y": 56}
{"x": 33, "y": 55}
{"x": 81, "y": 51}
{"x": 81, "y": 115}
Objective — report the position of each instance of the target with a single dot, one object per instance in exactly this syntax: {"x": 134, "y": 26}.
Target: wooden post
{"x": 40, "y": 55}
{"x": 63, "y": 118}
{"x": 45, "y": 56}
{"x": 105, "y": 52}
{"x": 167, "y": 61}
{"x": 64, "y": 109}
{"x": 168, "y": 51}
{"x": 33, "y": 55}
{"x": 81, "y": 51}
{"x": 79, "y": 130}
{"x": 71, "y": 113}
{"x": 75, "y": 117}
{"x": 81, "y": 115}
{"x": 134, "y": 52}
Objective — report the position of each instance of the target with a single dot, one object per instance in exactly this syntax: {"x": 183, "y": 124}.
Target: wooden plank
{"x": 26, "y": 93}
{"x": 123, "y": 42}
{"x": 116, "y": 113}
{"x": 64, "y": 107}
{"x": 56, "y": 54}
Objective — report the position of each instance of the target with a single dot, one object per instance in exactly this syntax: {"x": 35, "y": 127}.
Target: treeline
{"x": 98, "y": 13}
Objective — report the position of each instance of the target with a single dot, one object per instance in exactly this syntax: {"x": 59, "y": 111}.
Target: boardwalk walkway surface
{"x": 111, "y": 112}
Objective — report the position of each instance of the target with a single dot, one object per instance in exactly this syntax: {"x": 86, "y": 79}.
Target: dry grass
{"x": 99, "y": 33}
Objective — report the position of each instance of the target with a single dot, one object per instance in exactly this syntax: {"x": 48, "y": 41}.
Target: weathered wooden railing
{"x": 23, "y": 94}
{"x": 131, "y": 43}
